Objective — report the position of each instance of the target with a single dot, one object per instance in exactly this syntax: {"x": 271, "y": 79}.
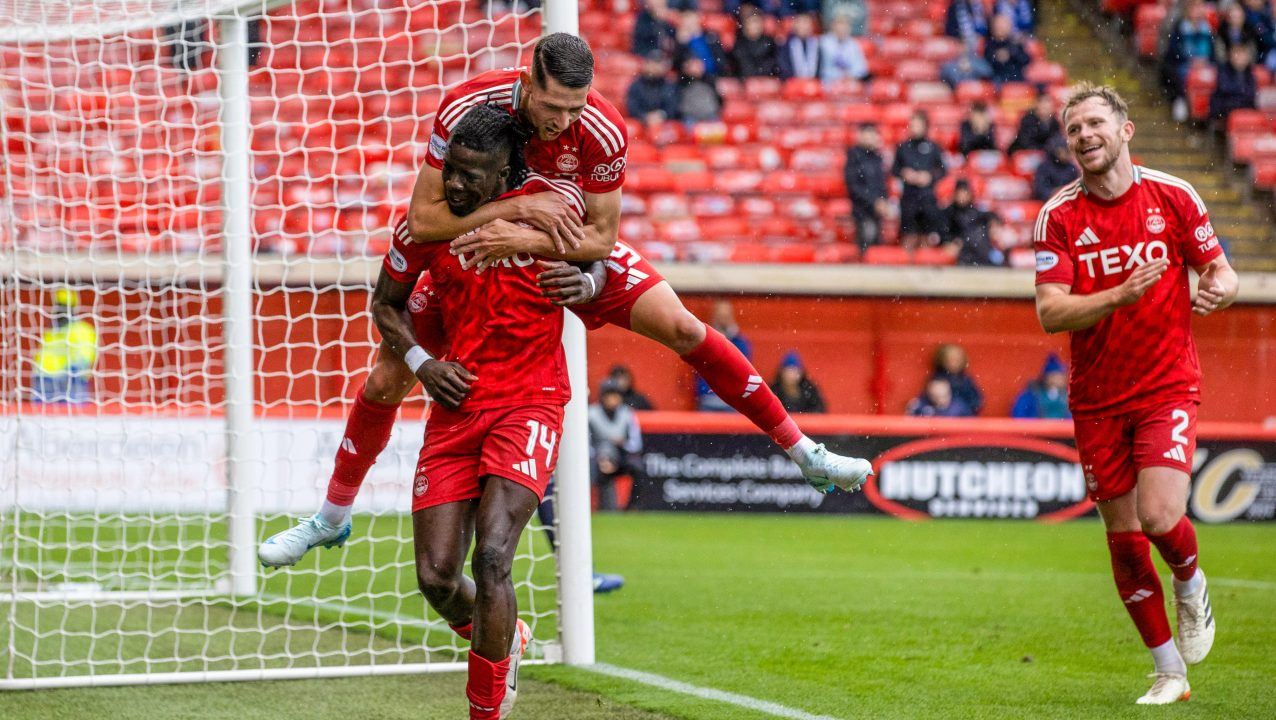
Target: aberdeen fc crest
{"x": 1155, "y": 222}
{"x": 568, "y": 163}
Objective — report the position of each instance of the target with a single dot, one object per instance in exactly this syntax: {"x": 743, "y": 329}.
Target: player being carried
{"x": 1113, "y": 251}
{"x": 578, "y": 137}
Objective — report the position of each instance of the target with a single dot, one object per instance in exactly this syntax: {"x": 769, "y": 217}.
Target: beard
{"x": 1108, "y": 162}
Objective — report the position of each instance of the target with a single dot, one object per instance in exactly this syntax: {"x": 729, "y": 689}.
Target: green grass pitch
{"x": 840, "y": 617}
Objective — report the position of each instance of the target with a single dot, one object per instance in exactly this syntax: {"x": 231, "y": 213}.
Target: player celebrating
{"x": 492, "y": 445}
{"x": 1113, "y": 251}
{"x": 578, "y": 138}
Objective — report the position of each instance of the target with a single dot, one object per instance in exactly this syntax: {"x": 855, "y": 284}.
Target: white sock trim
{"x": 1183, "y": 588}
{"x": 334, "y": 514}
{"x": 1167, "y": 658}
{"x": 801, "y": 448}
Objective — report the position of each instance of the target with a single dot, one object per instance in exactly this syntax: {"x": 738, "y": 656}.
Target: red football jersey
{"x": 1142, "y": 353}
{"x": 590, "y": 152}
{"x": 497, "y": 324}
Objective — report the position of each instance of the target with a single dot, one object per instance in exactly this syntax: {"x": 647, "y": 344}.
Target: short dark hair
{"x": 868, "y": 126}
{"x": 564, "y": 57}
{"x": 489, "y": 128}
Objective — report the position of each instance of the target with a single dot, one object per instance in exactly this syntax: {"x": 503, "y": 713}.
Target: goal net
{"x": 183, "y": 323}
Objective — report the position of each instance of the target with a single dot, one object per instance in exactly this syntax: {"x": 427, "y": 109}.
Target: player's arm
{"x": 567, "y": 284}
{"x": 1059, "y": 310}
{"x": 447, "y": 382}
{"x": 1217, "y": 286}
{"x": 501, "y": 239}
{"x": 430, "y": 219}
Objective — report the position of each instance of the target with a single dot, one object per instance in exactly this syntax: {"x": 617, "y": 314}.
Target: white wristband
{"x": 415, "y": 357}
{"x": 593, "y": 286}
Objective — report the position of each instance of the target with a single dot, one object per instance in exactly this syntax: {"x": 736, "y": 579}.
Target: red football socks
{"x": 465, "y": 631}
{"x": 738, "y": 383}
{"x": 486, "y": 687}
{"x": 367, "y": 433}
{"x": 1178, "y": 547}
{"x": 1139, "y": 586}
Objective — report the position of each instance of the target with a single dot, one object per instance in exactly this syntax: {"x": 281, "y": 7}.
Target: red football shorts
{"x": 426, "y": 316}
{"x": 1114, "y": 449}
{"x": 518, "y": 443}
{"x": 629, "y": 275}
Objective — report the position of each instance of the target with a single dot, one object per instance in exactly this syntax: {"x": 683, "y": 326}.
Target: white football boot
{"x": 825, "y": 470}
{"x": 1196, "y": 624}
{"x": 1168, "y": 688}
{"x": 289, "y": 546}
{"x": 522, "y": 636}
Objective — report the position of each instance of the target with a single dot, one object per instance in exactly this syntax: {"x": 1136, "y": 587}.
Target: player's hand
{"x": 1143, "y": 277}
{"x": 447, "y": 382}
{"x": 550, "y": 211}
{"x": 1210, "y": 293}
{"x": 490, "y": 244}
{"x": 564, "y": 283}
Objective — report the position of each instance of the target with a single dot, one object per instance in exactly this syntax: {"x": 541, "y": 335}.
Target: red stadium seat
{"x": 797, "y": 252}
{"x": 836, "y": 253}
{"x": 668, "y": 205}
{"x": 730, "y": 229}
{"x": 762, "y": 88}
{"x": 750, "y": 253}
{"x": 934, "y": 256}
{"x": 973, "y": 91}
{"x": 803, "y": 89}
{"x": 712, "y": 204}
{"x": 886, "y": 255}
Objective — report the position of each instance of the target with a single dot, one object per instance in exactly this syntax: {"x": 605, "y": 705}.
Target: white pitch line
{"x": 1236, "y": 582}
{"x": 664, "y": 683}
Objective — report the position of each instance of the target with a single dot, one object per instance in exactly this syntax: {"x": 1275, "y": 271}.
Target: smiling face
{"x": 551, "y": 107}
{"x": 1098, "y": 135}
{"x": 472, "y": 177}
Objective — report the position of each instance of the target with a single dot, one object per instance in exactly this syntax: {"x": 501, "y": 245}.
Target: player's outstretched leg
{"x": 499, "y": 636}
{"x": 367, "y": 432}
{"x": 660, "y": 315}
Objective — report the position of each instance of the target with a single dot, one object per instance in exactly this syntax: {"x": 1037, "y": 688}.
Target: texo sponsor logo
{"x": 1116, "y": 260}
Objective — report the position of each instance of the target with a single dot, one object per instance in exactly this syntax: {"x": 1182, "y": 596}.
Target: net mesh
{"x": 114, "y": 540}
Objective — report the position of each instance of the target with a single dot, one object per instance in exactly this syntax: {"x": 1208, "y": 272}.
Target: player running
{"x": 1113, "y": 251}
{"x": 578, "y": 137}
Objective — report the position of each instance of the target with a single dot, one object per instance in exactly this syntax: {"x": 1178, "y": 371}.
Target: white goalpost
{"x": 194, "y": 199}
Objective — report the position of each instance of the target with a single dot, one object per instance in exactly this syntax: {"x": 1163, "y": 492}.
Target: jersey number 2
{"x": 1176, "y": 435}
{"x": 539, "y": 434}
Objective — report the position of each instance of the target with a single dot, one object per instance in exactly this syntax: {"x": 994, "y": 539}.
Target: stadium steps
{"x": 1076, "y": 36}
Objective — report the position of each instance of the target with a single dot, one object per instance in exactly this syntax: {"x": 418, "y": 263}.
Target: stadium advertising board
{"x": 933, "y": 470}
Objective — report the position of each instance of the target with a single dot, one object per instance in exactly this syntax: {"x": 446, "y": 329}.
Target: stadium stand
{"x": 337, "y": 144}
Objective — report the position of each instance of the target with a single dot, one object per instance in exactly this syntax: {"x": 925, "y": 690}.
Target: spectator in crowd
{"x": 693, "y": 40}
{"x": 841, "y": 57}
{"x": 967, "y": 230}
{"x": 1022, "y": 13}
{"x": 755, "y": 53}
{"x": 1258, "y": 14}
{"x": 855, "y": 12}
{"x": 965, "y": 67}
{"x": 623, "y": 378}
{"x": 1237, "y": 88}
{"x": 1191, "y": 41}
{"x": 1055, "y": 171}
{"x": 796, "y": 391}
{"x": 653, "y": 96}
{"x": 1046, "y": 396}
{"x": 967, "y": 21}
{"x": 1037, "y": 127}
{"x": 616, "y": 439}
{"x": 865, "y": 173}
{"x": 68, "y": 349}
{"x": 1233, "y": 30}
{"x": 722, "y": 320}
{"x": 698, "y": 97}
{"x": 800, "y": 54}
{"x": 652, "y": 29}
{"x": 977, "y": 132}
{"x": 937, "y": 400}
{"x": 950, "y": 363}
{"x": 1005, "y": 52}
{"x": 188, "y": 44}
{"x": 919, "y": 164}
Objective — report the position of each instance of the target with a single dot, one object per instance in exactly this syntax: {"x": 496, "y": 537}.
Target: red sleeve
{"x": 1054, "y": 264}
{"x": 605, "y": 145}
{"x": 406, "y": 260}
{"x": 1198, "y": 243}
